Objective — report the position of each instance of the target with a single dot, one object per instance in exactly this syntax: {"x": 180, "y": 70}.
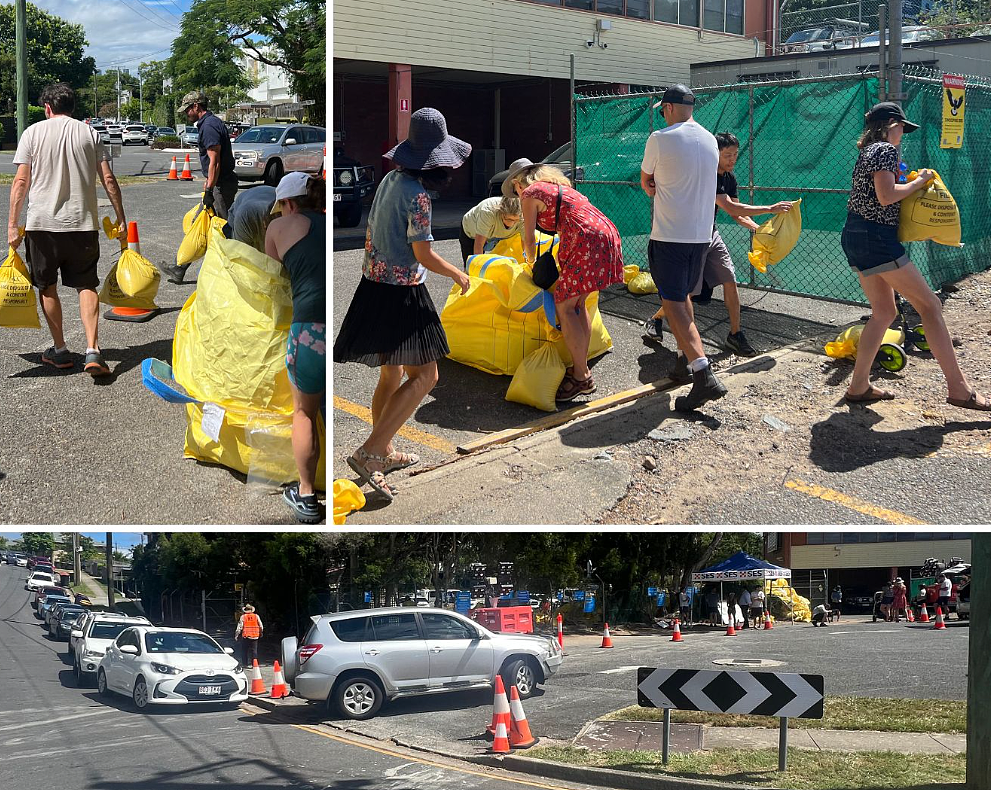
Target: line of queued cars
{"x": 129, "y": 655}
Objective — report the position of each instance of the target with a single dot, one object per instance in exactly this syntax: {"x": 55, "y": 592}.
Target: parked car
{"x": 101, "y": 130}
{"x": 90, "y": 638}
{"x": 963, "y": 601}
{"x": 47, "y": 601}
{"x": 166, "y": 131}
{"x": 115, "y": 134}
{"x": 910, "y": 35}
{"x": 353, "y": 182}
{"x": 188, "y": 135}
{"x": 61, "y": 618}
{"x": 559, "y": 157}
{"x": 170, "y": 666}
{"x": 38, "y": 580}
{"x": 823, "y": 37}
{"x": 40, "y": 593}
{"x": 858, "y": 599}
{"x": 357, "y": 660}
{"x": 134, "y": 133}
{"x": 270, "y": 151}
{"x": 21, "y": 561}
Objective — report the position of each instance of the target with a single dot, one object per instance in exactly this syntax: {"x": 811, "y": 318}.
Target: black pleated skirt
{"x": 391, "y": 325}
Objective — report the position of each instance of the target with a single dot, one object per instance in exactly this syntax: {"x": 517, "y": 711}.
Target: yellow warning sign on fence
{"x": 953, "y": 108}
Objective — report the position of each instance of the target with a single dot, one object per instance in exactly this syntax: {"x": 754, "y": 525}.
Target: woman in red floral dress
{"x": 590, "y": 257}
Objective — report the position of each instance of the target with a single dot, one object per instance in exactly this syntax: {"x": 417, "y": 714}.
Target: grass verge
{"x": 807, "y": 770}
{"x": 841, "y": 713}
{"x": 8, "y": 179}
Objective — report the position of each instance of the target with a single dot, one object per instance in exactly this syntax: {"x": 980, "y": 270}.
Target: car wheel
{"x": 274, "y": 172}
{"x": 357, "y": 698}
{"x": 101, "y": 683}
{"x": 521, "y": 674}
{"x": 140, "y": 694}
{"x": 350, "y": 217}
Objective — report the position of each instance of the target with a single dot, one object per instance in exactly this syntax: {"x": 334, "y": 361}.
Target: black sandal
{"x": 571, "y": 388}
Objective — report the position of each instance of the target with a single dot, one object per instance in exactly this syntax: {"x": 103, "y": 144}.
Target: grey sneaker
{"x": 739, "y": 345}
{"x": 94, "y": 364}
{"x": 705, "y": 387}
{"x": 653, "y": 329}
{"x": 173, "y": 273}
{"x": 61, "y": 360}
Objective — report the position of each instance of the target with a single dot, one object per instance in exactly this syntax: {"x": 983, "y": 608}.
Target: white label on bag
{"x": 213, "y": 419}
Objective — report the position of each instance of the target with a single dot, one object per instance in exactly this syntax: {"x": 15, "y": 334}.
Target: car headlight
{"x": 164, "y": 669}
{"x": 92, "y": 654}
{"x": 239, "y": 669}
{"x": 345, "y": 178}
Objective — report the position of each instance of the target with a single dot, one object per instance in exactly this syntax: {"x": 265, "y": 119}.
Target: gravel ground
{"x": 824, "y": 437}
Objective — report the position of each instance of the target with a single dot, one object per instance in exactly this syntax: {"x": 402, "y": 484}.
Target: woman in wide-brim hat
{"x": 870, "y": 242}
{"x": 391, "y": 323}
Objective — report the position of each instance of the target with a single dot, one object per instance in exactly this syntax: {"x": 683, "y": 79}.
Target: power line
{"x": 147, "y": 18}
{"x": 167, "y": 19}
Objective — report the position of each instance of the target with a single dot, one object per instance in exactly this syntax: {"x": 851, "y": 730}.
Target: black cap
{"x": 889, "y": 111}
{"x": 677, "y": 94}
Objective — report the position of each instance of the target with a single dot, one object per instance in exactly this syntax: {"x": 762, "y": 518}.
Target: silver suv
{"x": 270, "y": 151}
{"x": 357, "y": 660}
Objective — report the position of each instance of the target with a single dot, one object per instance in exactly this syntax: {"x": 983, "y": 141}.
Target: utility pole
{"x": 882, "y": 67}
{"x": 979, "y": 667}
{"x": 77, "y": 563}
{"x": 96, "y": 100}
{"x": 141, "y": 98}
{"x": 118, "y": 94}
{"x": 21, "y": 53}
{"x": 895, "y": 51}
{"x": 109, "y": 559}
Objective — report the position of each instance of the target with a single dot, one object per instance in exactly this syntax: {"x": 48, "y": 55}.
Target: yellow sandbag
{"x": 776, "y": 238}
{"x": 18, "y": 302}
{"x": 137, "y": 275}
{"x": 347, "y": 498}
{"x": 629, "y": 272}
{"x": 229, "y": 350}
{"x": 537, "y": 378}
{"x": 845, "y": 345}
{"x": 112, "y": 294}
{"x": 930, "y": 213}
{"x": 194, "y": 242}
{"x": 643, "y": 283}
{"x": 187, "y": 220}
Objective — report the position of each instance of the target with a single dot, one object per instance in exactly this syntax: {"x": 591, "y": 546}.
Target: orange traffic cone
{"x": 924, "y": 615}
{"x": 279, "y": 687}
{"x": 519, "y": 730}
{"x": 676, "y": 637}
{"x": 939, "y": 620}
{"x": 173, "y": 173}
{"x": 500, "y": 741}
{"x": 606, "y": 639}
{"x": 323, "y": 172}
{"x": 767, "y": 621}
{"x": 909, "y": 615}
{"x": 257, "y": 684}
{"x": 187, "y": 174}
{"x": 730, "y": 630}
{"x": 500, "y": 707}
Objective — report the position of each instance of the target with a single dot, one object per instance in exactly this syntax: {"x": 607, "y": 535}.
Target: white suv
{"x": 90, "y": 638}
{"x": 134, "y": 133}
{"x": 356, "y": 660}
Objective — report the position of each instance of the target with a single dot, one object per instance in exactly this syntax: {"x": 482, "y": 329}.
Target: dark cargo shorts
{"x": 73, "y": 253}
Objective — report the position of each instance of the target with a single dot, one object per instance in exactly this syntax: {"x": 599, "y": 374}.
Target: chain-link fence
{"x": 797, "y": 140}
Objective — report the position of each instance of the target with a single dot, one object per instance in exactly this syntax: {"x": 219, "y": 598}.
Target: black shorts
{"x": 74, "y": 254}
{"x": 675, "y": 267}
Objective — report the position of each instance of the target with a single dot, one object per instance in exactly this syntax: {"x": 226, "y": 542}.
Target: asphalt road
{"x": 54, "y": 734}
{"x": 134, "y": 160}
{"x": 82, "y": 451}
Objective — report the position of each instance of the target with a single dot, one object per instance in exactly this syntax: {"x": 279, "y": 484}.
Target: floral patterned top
{"x": 400, "y": 215}
{"x": 863, "y": 195}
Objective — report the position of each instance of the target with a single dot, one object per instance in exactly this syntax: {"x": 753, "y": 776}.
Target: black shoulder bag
{"x": 545, "y": 272}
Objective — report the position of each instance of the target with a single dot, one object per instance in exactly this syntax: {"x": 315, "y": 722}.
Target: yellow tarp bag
{"x": 18, "y": 301}
{"x": 187, "y": 220}
{"x": 112, "y": 294}
{"x": 194, "y": 243}
{"x": 347, "y": 499}
{"x": 137, "y": 275}
{"x": 229, "y": 353}
{"x": 845, "y": 345}
{"x": 537, "y": 378}
{"x": 643, "y": 283}
{"x": 629, "y": 272}
{"x": 930, "y": 213}
{"x": 776, "y": 238}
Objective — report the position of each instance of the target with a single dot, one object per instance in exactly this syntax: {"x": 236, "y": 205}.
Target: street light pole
{"x": 21, "y": 53}
{"x": 979, "y": 667}
{"x": 141, "y": 98}
{"x": 118, "y": 94}
{"x": 109, "y": 560}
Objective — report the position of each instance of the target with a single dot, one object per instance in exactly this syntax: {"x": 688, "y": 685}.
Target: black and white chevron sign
{"x": 785, "y": 694}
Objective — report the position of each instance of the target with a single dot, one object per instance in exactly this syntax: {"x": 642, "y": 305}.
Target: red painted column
{"x": 400, "y": 107}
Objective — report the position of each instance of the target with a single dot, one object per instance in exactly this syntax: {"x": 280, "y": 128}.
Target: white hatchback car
{"x": 38, "y": 580}
{"x": 170, "y": 666}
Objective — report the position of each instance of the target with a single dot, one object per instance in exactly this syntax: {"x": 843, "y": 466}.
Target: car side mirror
{"x": 76, "y": 634}
{"x": 130, "y": 650}
{"x": 229, "y": 651}
{"x": 290, "y": 141}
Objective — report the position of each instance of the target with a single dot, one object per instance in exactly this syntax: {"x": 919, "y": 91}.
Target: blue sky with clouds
{"x": 123, "y": 33}
{"x": 122, "y": 540}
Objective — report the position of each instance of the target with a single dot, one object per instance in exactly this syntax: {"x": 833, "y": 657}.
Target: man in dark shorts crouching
{"x": 679, "y": 173}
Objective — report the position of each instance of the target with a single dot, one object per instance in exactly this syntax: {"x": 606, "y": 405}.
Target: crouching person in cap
{"x": 391, "y": 323}
{"x": 249, "y": 629}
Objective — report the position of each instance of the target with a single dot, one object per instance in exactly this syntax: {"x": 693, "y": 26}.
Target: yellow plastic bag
{"x": 18, "y": 302}
{"x": 347, "y": 499}
{"x": 643, "y": 283}
{"x": 930, "y": 213}
{"x": 229, "y": 351}
{"x": 776, "y": 238}
{"x": 194, "y": 243}
{"x": 112, "y": 294}
{"x": 537, "y": 378}
{"x": 845, "y": 345}
{"x": 137, "y": 275}
{"x": 187, "y": 220}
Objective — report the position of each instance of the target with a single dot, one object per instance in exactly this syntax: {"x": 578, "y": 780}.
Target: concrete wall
{"x": 909, "y": 554}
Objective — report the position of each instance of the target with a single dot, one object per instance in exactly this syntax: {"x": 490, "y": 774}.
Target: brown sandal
{"x": 976, "y": 401}
{"x": 870, "y": 395}
{"x": 571, "y": 388}
{"x": 359, "y": 463}
{"x": 398, "y": 460}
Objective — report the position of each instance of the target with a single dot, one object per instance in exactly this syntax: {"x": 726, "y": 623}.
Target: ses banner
{"x": 743, "y": 575}
{"x": 953, "y": 109}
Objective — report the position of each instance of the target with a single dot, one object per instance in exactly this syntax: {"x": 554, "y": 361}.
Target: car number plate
{"x": 209, "y": 691}
{"x": 337, "y": 197}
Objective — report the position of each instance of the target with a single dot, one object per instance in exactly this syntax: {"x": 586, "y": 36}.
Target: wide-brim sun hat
{"x": 428, "y": 145}
{"x": 514, "y": 170}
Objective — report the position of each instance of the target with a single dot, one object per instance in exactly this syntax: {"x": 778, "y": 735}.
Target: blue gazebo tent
{"x": 741, "y": 567}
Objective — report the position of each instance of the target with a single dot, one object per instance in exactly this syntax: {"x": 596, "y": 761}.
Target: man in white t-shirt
{"x": 58, "y": 161}
{"x": 679, "y": 173}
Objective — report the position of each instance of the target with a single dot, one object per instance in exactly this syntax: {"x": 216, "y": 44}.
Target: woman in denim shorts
{"x": 870, "y": 242}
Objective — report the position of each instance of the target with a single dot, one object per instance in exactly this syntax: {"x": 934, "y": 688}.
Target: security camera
{"x": 604, "y": 46}
{"x": 590, "y": 43}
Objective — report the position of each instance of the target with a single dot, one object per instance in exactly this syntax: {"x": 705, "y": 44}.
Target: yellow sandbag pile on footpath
{"x": 931, "y": 213}
{"x": 776, "y": 238}
{"x": 504, "y": 318}
{"x": 845, "y": 345}
{"x": 793, "y": 605}
{"x": 18, "y": 301}
{"x": 229, "y": 355}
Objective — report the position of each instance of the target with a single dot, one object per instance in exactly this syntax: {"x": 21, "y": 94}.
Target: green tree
{"x": 3, "y": 543}
{"x": 40, "y": 544}
{"x": 961, "y": 17}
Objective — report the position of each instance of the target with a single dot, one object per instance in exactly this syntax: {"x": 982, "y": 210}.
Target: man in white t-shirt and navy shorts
{"x": 58, "y": 161}
{"x": 679, "y": 173}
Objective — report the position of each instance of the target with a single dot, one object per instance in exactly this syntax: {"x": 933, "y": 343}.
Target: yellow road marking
{"x": 431, "y": 763}
{"x": 829, "y": 495}
{"x": 413, "y": 434}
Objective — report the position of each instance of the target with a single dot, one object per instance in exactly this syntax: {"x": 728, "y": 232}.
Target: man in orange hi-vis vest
{"x": 249, "y": 628}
